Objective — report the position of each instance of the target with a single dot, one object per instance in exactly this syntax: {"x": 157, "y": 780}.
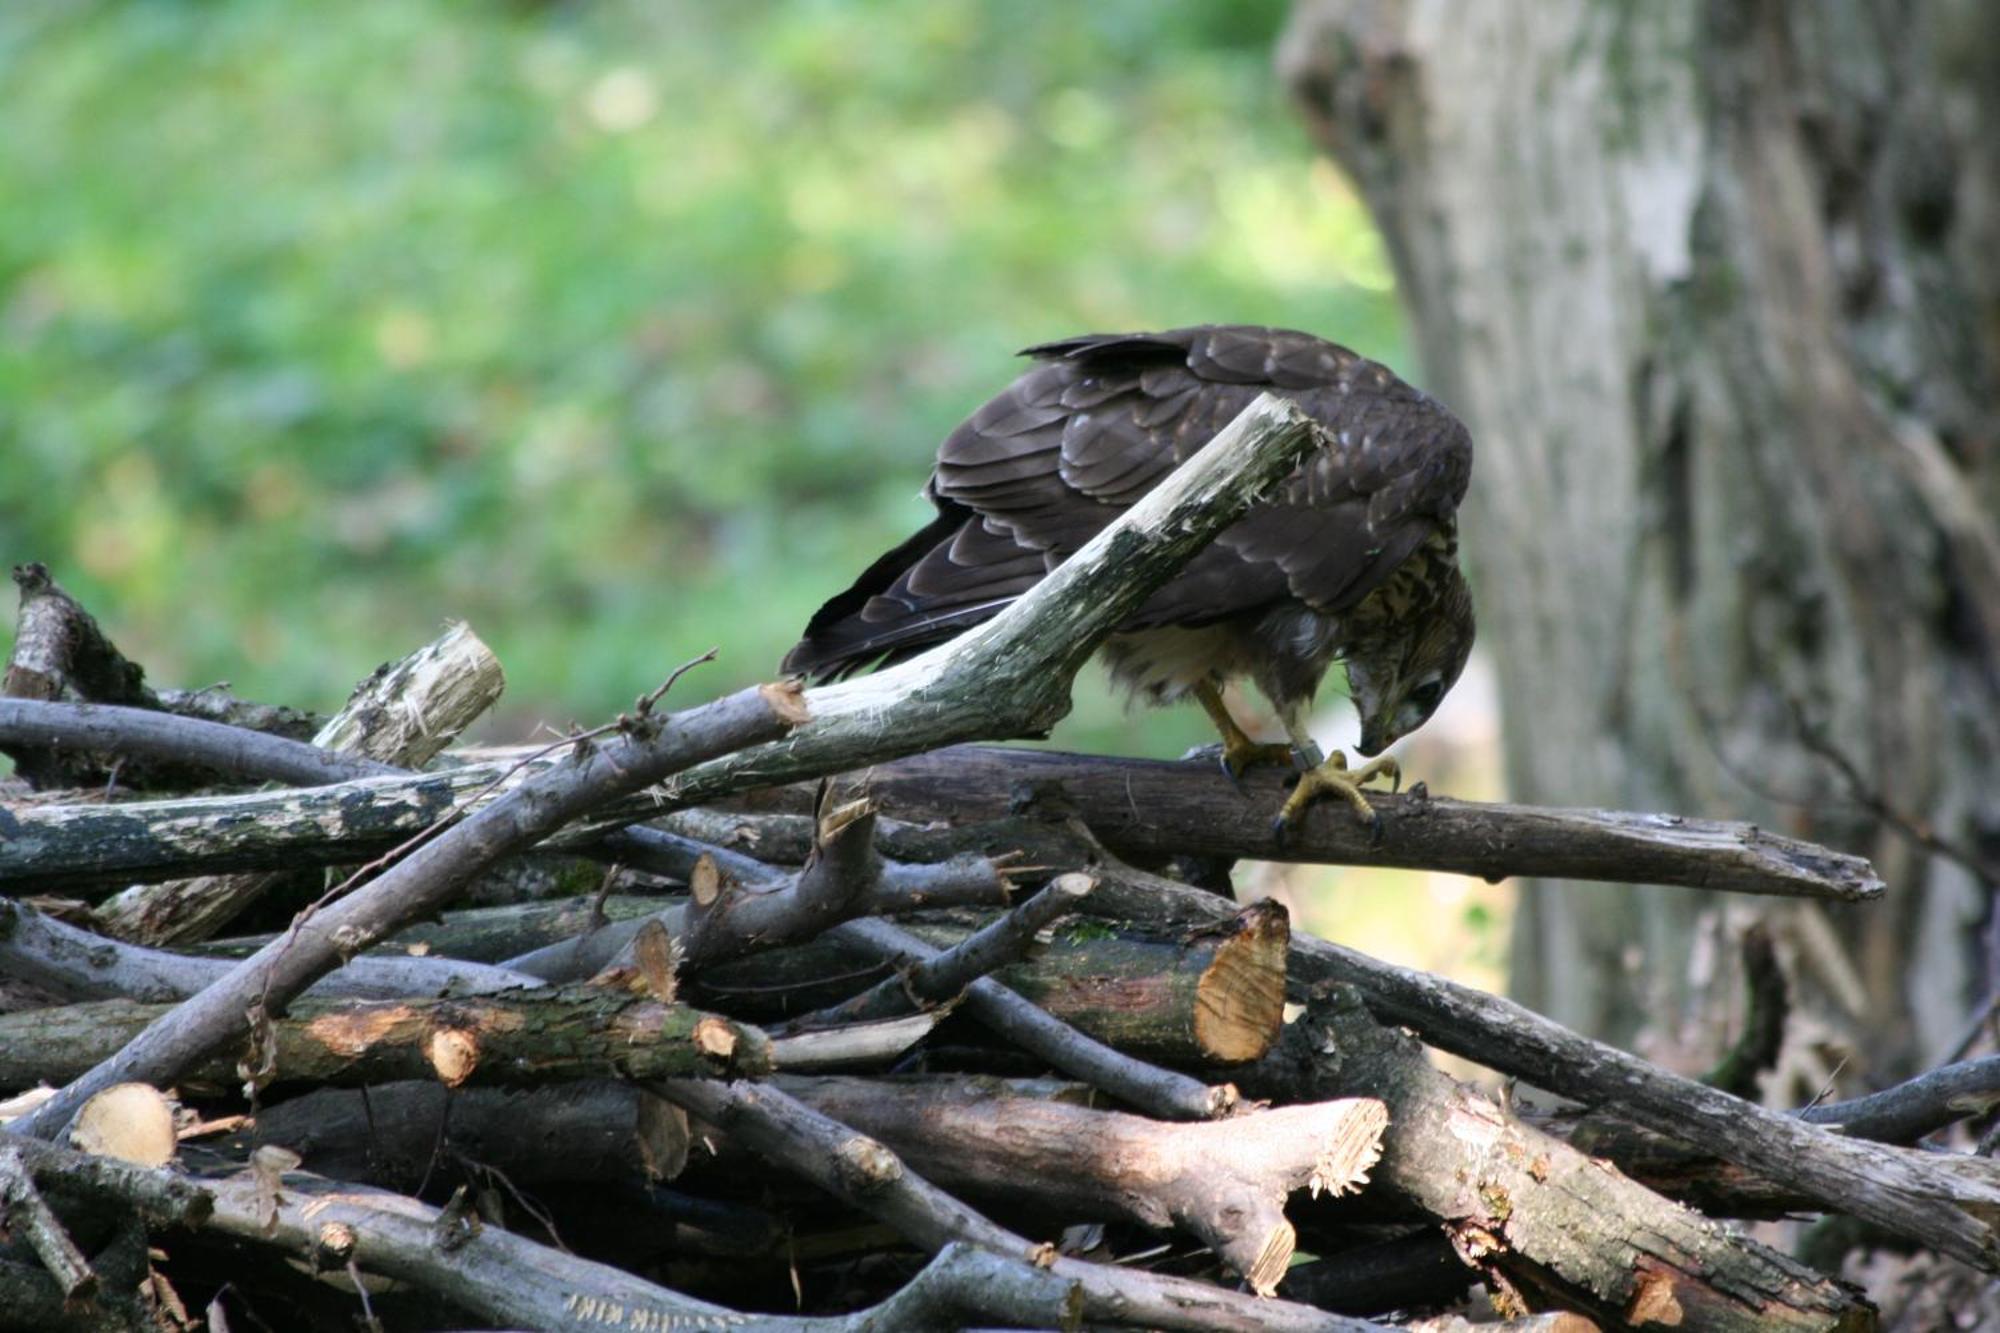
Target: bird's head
{"x": 1397, "y": 680}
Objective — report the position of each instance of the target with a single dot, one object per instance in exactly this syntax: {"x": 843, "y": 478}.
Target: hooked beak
{"x": 1372, "y": 743}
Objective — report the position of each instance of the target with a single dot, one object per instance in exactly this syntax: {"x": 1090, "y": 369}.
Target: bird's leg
{"x": 1332, "y": 778}
{"x": 1238, "y": 750}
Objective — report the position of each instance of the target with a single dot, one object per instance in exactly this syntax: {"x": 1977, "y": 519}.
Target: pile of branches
{"x": 793, "y": 1010}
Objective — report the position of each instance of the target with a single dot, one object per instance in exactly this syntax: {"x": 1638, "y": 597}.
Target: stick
{"x": 767, "y": 915}
{"x": 1935, "y": 1200}
{"x": 922, "y": 983}
{"x": 1151, "y": 808}
{"x": 154, "y": 841}
{"x": 868, "y": 1176}
{"x": 76, "y": 964}
{"x": 424, "y": 881}
{"x": 518, "y": 1039}
{"x": 28, "y": 1217}
{"x": 1159, "y": 1091}
{"x": 141, "y": 733}
{"x": 1532, "y": 1209}
{"x": 402, "y": 716}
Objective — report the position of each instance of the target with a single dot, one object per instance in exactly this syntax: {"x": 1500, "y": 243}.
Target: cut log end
{"x": 1240, "y": 999}
{"x": 133, "y": 1122}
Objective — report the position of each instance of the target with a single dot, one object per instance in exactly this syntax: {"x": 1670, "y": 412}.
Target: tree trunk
{"x": 1717, "y": 288}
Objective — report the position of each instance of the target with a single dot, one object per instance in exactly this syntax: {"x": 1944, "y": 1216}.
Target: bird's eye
{"x": 1426, "y": 695}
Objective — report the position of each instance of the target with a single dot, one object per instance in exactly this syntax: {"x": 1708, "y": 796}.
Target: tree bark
{"x": 1717, "y": 287}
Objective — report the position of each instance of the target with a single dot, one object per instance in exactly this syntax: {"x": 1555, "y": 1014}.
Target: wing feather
{"x": 1095, "y": 424}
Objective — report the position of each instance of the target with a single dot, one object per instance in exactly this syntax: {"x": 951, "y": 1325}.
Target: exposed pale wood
{"x": 402, "y": 715}
{"x": 865, "y": 1174}
{"x": 517, "y": 1039}
{"x": 424, "y": 881}
{"x": 1226, "y": 1181}
{"x": 1546, "y": 1216}
{"x": 131, "y": 1122}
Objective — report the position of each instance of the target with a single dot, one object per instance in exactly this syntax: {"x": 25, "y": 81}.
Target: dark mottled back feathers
{"x": 1036, "y": 472}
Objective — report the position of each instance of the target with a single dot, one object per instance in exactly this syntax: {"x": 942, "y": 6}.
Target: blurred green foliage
{"x": 618, "y": 329}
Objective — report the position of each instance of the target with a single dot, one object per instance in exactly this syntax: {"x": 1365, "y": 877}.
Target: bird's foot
{"x": 1239, "y": 753}
{"x": 1334, "y": 778}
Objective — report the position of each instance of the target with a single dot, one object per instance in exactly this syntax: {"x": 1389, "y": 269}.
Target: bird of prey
{"x": 1353, "y": 558}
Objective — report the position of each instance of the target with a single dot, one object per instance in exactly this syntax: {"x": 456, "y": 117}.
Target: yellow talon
{"x": 1333, "y": 778}
{"x": 1239, "y": 752}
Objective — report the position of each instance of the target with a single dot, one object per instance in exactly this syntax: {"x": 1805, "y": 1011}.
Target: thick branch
{"x": 403, "y": 715}
{"x": 1150, "y": 808}
{"x": 517, "y": 1039}
{"x": 1159, "y": 1091}
{"x": 79, "y": 965}
{"x": 27, "y": 1215}
{"x": 424, "y": 881}
{"x": 78, "y": 848}
{"x": 923, "y": 983}
{"x": 1936, "y": 1200}
{"x": 1546, "y": 1216}
{"x": 1225, "y": 1181}
{"x": 868, "y": 1176}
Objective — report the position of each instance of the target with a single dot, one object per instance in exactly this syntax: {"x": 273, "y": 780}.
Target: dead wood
{"x": 1544, "y": 1216}
{"x": 25, "y": 1215}
{"x": 428, "y": 878}
{"x": 867, "y": 1175}
{"x": 924, "y": 983}
{"x": 1901, "y": 1114}
{"x": 403, "y": 715}
{"x": 76, "y": 964}
{"x": 1158, "y": 1091}
{"x": 91, "y": 848}
{"x": 1225, "y": 1181}
{"x": 1939, "y": 1200}
{"x": 517, "y": 1039}
{"x": 740, "y": 917}
{"x": 60, "y": 652}
{"x": 1146, "y": 809}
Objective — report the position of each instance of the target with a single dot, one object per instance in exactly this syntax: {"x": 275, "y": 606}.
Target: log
{"x": 518, "y": 1039}
{"x": 867, "y": 1175}
{"x": 402, "y": 715}
{"x": 1226, "y": 1182}
{"x": 1940, "y": 1200}
{"x": 60, "y": 652}
{"x": 1145, "y": 808}
{"x": 1198, "y": 997}
{"x": 582, "y": 1131}
{"x": 76, "y": 964}
{"x": 645, "y": 749}
{"x": 1543, "y": 1216}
